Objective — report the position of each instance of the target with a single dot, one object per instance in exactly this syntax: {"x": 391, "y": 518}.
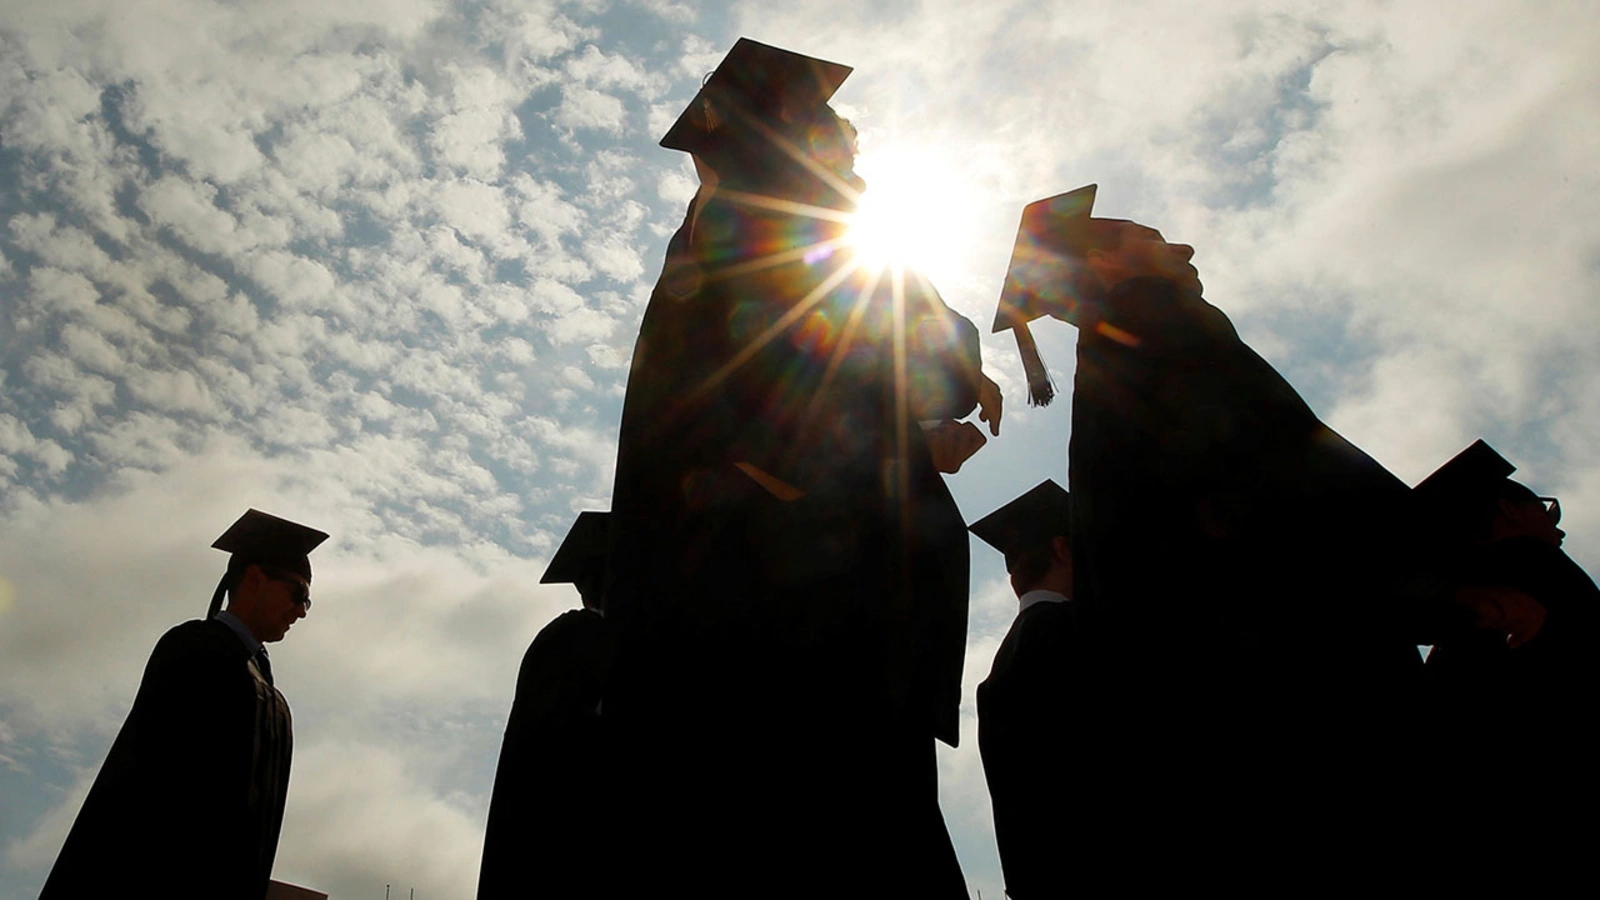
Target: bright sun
{"x": 909, "y": 214}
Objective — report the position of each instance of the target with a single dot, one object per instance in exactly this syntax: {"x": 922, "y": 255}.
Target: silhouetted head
{"x": 268, "y": 582}
{"x": 1034, "y": 532}
{"x": 1471, "y": 499}
{"x": 762, "y": 123}
{"x": 269, "y": 600}
{"x": 1520, "y": 513}
{"x": 1119, "y": 250}
{"x": 1044, "y": 567}
{"x": 805, "y": 154}
{"x": 581, "y": 558}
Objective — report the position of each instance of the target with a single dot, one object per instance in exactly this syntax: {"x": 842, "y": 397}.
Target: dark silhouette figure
{"x": 1036, "y": 710}
{"x": 1257, "y": 584}
{"x": 548, "y": 814}
{"x": 788, "y": 570}
{"x": 1522, "y": 704}
{"x": 190, "y": 799}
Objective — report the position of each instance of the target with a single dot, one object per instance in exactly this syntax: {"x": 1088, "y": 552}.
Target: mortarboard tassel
{"x": 1040, "y": 389}
{"x": 216, "y": 598}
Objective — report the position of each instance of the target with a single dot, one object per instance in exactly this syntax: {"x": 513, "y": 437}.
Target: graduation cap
{"x": 1028, "y": 522}
{"x": 753, "y": 77}
{"x": 264, "y": 539}
{"x": 1053, "y": 229}
{"x": 1475, "y": 473}
{"x": 581, "y": 558}
{"x": 1468, "y": 483}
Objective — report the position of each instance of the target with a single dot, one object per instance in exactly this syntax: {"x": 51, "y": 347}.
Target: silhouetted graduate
{"x": 792, "y": 605}
{"x": 1037, "y": 710}
{"x": 1502, "y": 533}
{"x": 1521, "y": 703}
{"x": 190, "y": 799}
{"x": 1261, "y": 582}
{"x": 1207, "y": 497}
{"x": 548, "y": 814}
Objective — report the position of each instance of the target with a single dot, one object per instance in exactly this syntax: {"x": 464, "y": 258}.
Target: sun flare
{"x": 909, "y": 215}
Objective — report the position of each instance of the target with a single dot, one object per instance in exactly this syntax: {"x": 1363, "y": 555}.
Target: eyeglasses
{"x": 1552, "y": 508}
{"x": 299, "y": 591}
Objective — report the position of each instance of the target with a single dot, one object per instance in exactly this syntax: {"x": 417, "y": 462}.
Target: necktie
{"x": 264, "y": 664}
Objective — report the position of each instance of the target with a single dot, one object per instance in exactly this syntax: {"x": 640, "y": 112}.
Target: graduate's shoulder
{"x": 198, "y": 641}
{"x": 1037, "y": 636}
{"x": 576, "y": 624}
{"x": 575, "y": 632}
{"x": 1048, "y": 628}
{"x": 200, "y": 635}
{"x": 1148, "y": 312}
{"x": 1046, "y": 617}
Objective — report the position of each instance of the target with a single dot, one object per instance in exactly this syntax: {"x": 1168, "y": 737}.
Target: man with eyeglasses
{"x": 190, "y": 799}
{"x": 1507, "y": 701}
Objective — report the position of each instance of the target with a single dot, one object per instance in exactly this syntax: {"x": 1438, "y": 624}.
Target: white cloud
{"x": 178, "y": 391}
{"x": 615, "y": 258}
{"x": 91, "y": 350}
{"x": 698, "y": 58}
{"x": 535, "y": 32}
{"x": 66, "y": 291}
{"x": 596, "y": 68}
{"x": 671, "y": 10}
{"x": 293, "y": 279}
{"x": 318, "y": 162}
{"x": 17, "y": 440}
{"x": 677, "y": 188}
{"x": 543, "y": 209}
{"x": 234, "y": 315}
{"x": 359, "y": 817}
{"x": 479, "y": 212}
{"x": 480, "y": 119}
{"x": 188, "y": 209}
{"x": 63, "y": 247}
{"x": 586, "y": 108}
{"x": 54, "y": 114}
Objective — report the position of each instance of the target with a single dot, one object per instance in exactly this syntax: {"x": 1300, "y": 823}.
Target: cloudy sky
{"x": 378, "y": 265}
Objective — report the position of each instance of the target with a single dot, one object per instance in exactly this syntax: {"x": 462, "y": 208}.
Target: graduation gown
{"x": 1036, "y": 720}
{"x": 550, "y": 803}
{"x": 1250, "y": 573}
{"x": 1190, "y": 450}
{"x": 793, "y": 655}
{"x": 1527, "y": 711}
{"x": 190, "y": 799}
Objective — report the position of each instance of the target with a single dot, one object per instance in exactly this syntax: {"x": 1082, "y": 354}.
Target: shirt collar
{"x": 1032, "y": 597}
{"x": 233, "y": 622}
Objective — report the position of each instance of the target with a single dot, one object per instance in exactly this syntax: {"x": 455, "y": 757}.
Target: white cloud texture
{"x": 379, "y": 266}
